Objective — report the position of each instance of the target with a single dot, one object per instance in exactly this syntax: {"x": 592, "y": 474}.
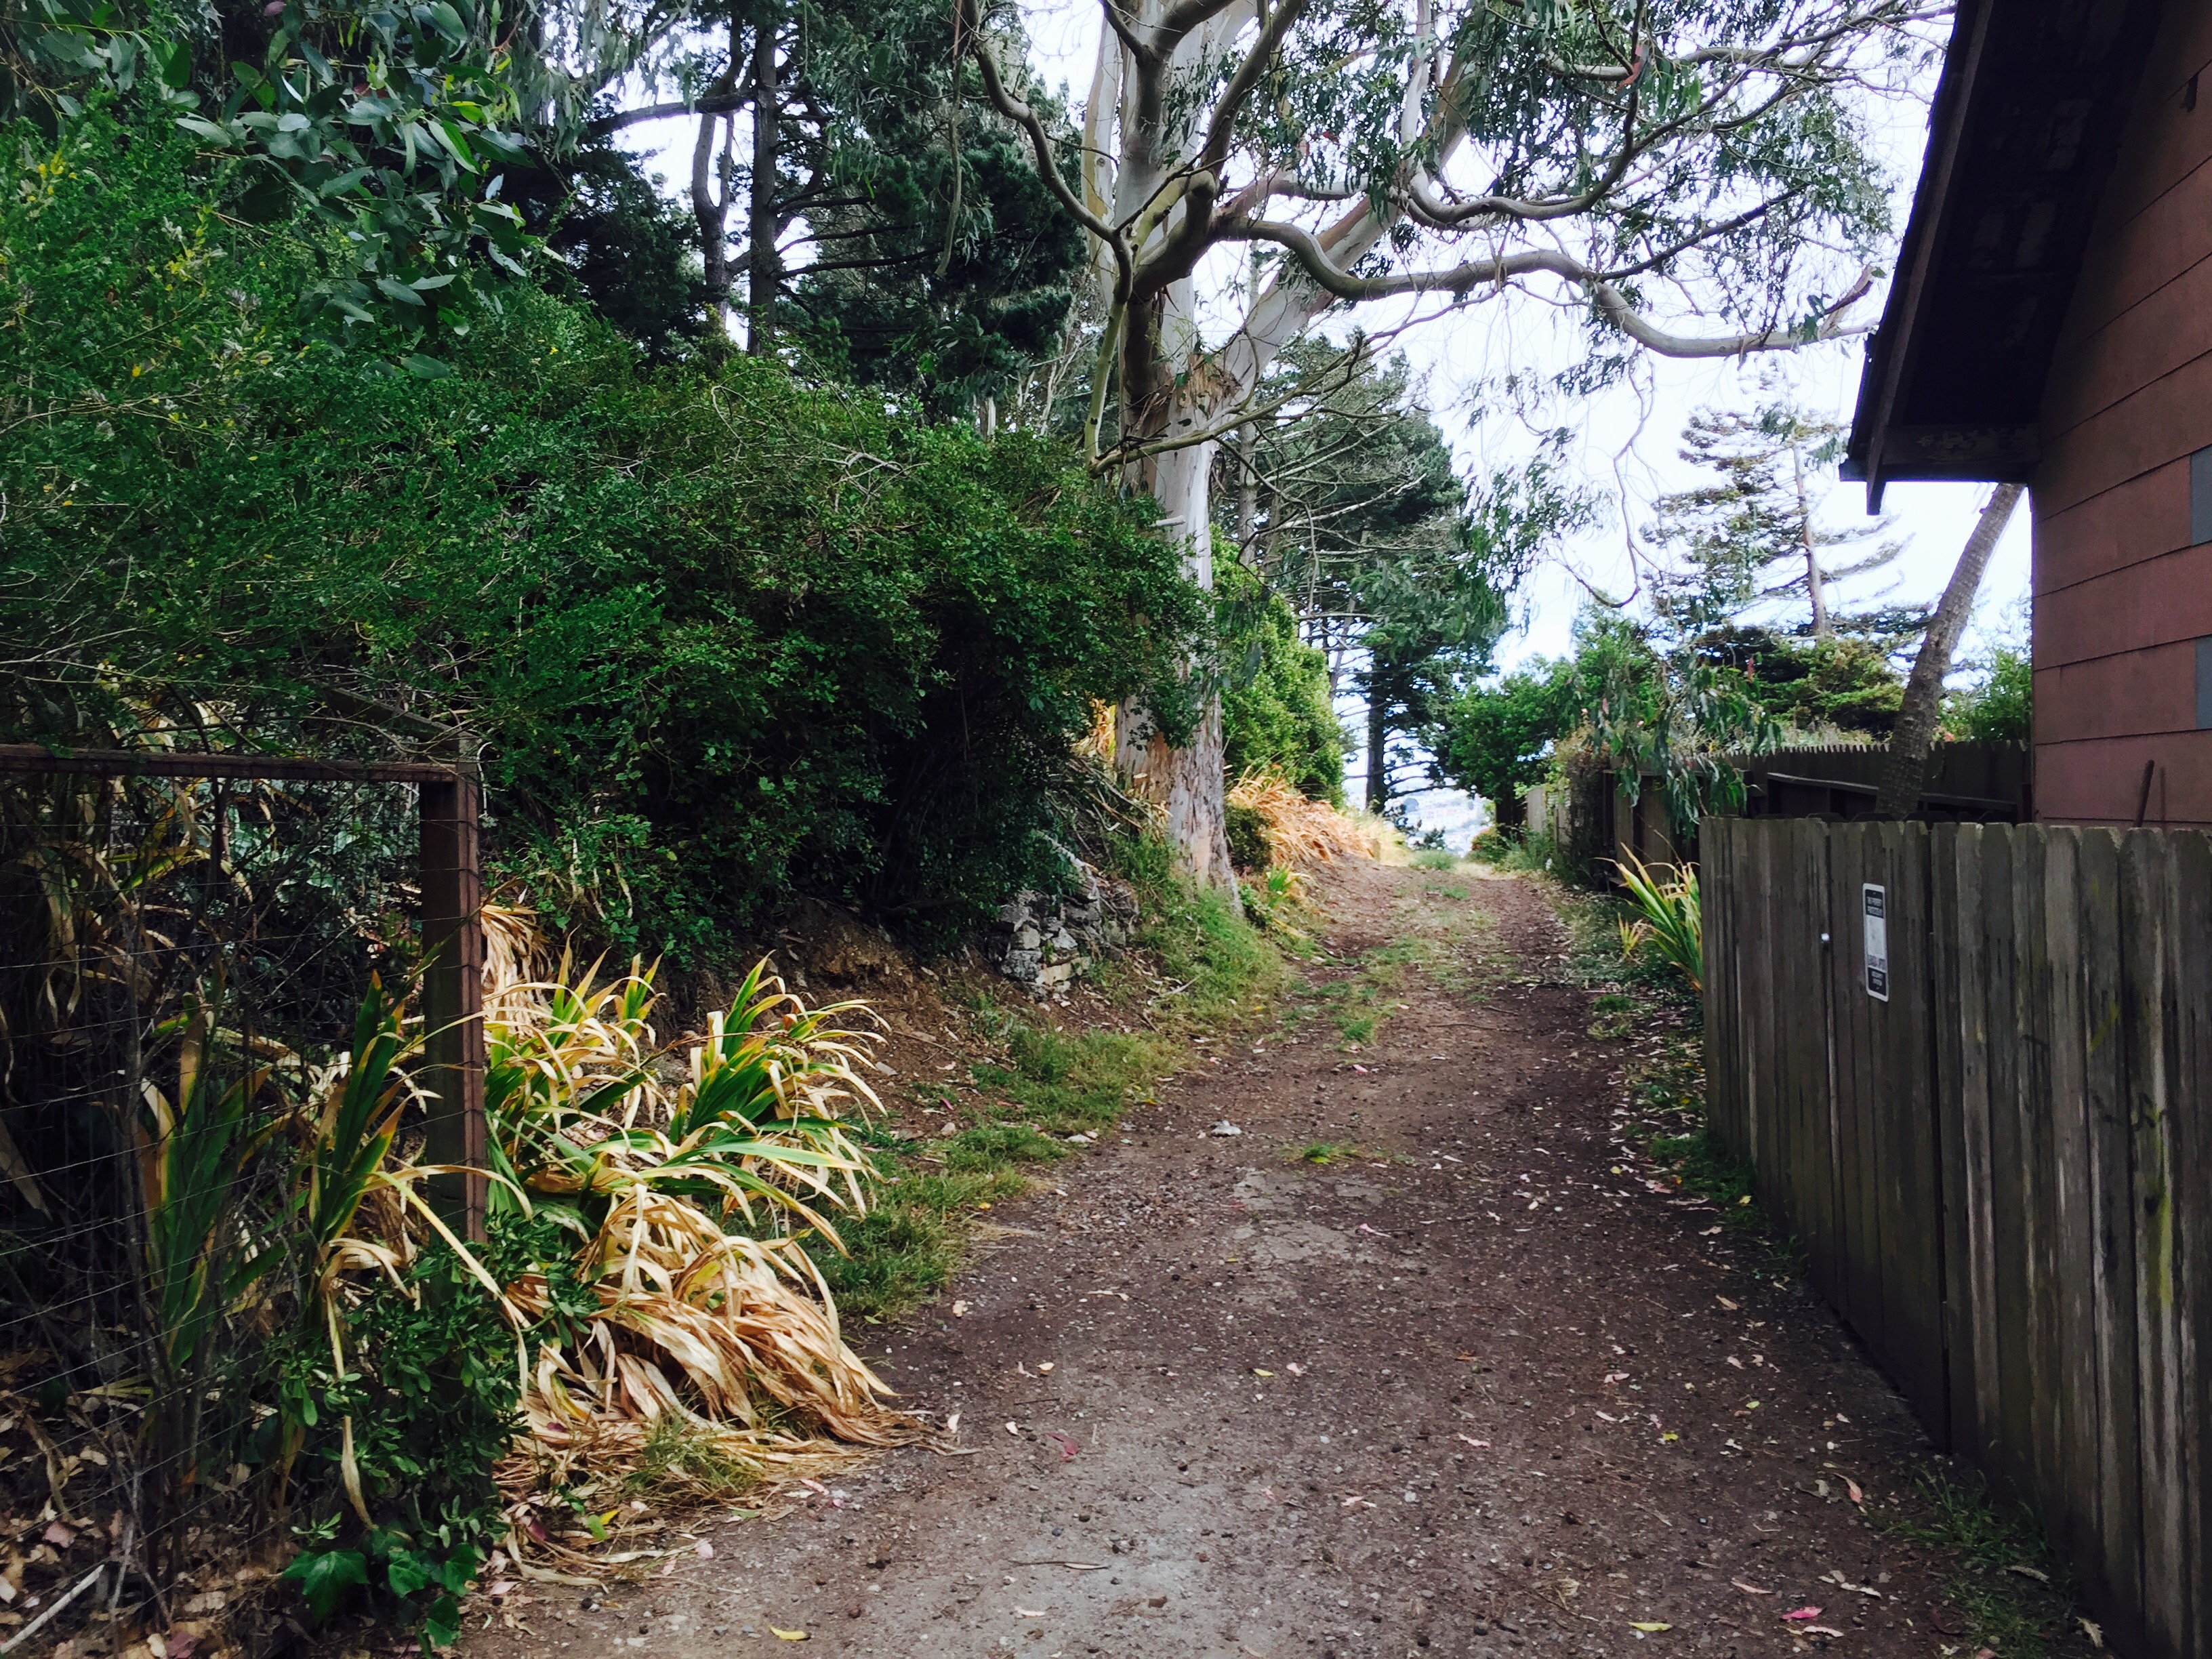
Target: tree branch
{"x": 719, "y": 103}
{"x": 1611, "y": 303}
{"x": 1178, "y": 255}
{"x": 1221, "y": 131}
{"x": 1041, "y": 144}
{"x": 1181, "y": 19}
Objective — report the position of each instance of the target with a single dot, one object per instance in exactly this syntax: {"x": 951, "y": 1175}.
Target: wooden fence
{"x": 1970, "y": 1064}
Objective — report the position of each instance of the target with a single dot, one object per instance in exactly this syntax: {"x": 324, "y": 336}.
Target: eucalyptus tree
{"x": 1692, "y": 179}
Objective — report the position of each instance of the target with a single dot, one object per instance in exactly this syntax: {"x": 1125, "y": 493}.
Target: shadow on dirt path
{"x": 1464, "y": 1390}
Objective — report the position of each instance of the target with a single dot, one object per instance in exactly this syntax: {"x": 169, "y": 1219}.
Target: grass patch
{"x": 1614, "y": 1015}
{"x": 1321, "y": 1153}
{"x": 1275, "y": 901}
{"x": 991, "y": 1146}
{"x": 906, "y": 1249}
{"x": 1216, "y": 961}
{"x": 1044, "y": 1085}
{"x": 1435, "y": 857}
{"x": 1982, "y": 1546}
{"x": 1359, "y": 1004}
{"x": 684, "y": 1461}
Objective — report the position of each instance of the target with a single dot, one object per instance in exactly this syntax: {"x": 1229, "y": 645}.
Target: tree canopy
{"x": 724, "y": 638}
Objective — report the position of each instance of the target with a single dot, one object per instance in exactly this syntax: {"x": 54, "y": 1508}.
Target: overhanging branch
{"x": 1612, "y": 303}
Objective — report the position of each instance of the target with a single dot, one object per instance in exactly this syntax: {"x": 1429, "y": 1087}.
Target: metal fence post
{"x": 453, "y": 996}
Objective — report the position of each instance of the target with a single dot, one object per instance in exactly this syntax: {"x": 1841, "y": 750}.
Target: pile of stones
{"x": 1043, "y": 940}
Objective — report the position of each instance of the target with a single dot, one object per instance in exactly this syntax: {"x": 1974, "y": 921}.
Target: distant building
{"x": 2051, "y": 324}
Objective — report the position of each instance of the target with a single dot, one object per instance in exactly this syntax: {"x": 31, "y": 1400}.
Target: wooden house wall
{"x": 2123, "y": 590}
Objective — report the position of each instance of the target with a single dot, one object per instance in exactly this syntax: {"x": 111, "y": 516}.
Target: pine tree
{"x": 1754, "y": 539}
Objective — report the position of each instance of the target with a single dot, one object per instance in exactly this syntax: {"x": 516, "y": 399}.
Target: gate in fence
{"x": 1970, "y": 1064}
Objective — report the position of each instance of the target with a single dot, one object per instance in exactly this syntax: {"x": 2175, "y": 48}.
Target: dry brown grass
{"x": 1300, "y": 833}
{"x": 687, "y": 1173}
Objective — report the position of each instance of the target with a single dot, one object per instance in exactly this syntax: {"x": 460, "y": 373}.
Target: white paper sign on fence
{"x": 1877, "y": 941}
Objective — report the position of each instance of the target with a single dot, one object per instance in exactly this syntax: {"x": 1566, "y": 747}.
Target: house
{"x": 2051, "y": 324}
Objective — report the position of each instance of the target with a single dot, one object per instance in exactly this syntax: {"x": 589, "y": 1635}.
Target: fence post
{"x": 453, "y": 996}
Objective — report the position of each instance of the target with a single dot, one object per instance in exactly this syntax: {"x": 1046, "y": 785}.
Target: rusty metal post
{"x": 453, "y": 996}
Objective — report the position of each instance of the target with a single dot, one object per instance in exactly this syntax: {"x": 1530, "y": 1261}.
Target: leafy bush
{"x": 1844, "y": 683}
{"x": 1495, "y": 741}
{"x": 1247, "y": 836}
{"x": 1275, "y": 710}
{"x": 1999, "y": 709}
{"x": 724, "y": 638}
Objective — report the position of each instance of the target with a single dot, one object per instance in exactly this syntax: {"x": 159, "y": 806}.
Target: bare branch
{"x": 1221, "y": 131}
{"x": 1041, "y": 144}
{"x": 724, "y": 103}
{"x": 1121, "y": 28}
{"x": 1606, "y": 295}
{"x": 1181, "y": 19}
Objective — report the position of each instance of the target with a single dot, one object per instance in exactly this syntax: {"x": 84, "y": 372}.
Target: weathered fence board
{"x": 2191, "y": 974}
{"x": 1903, "y": 1087}
{"x": 2000, "y": 1170}
{"x": 2113, "y": 1560}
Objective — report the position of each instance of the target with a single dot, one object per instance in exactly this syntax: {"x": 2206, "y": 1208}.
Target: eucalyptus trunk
{"x": 1190, "y": 782}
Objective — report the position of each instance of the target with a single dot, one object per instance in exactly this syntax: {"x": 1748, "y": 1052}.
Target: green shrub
{"x": 725, "y": 638}
{"x": 1999, "y": 708}
{"x": 1247, "y": 837}
{"x": 1275, "y": 709}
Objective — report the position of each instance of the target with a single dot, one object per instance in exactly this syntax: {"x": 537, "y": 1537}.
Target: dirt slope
{"x": 1469, "y": 1395}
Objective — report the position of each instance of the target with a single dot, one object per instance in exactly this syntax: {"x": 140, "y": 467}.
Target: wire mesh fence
{"x": 188, "y": 969}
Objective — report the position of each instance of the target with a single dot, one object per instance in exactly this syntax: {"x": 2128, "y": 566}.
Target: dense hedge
{"x": 725, "y": 637}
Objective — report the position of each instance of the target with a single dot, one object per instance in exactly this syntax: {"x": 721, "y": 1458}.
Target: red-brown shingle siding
{"x": 2160, "y": 334}
{"x": 2160, "y": 421}
{"x": 2101, "y": 782}
{"x": 2120, "y": 595}
{"x": 2141, "y": 253}
{"x": 2158, "y": 602}
{"x": 2146, "y": 516}
{"x": 2133, "y": 694}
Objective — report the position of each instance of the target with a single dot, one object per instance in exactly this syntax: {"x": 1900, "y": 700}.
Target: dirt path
{"x": 1471, "y": 1393}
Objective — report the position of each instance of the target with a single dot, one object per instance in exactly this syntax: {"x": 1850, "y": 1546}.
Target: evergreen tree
{"x": 1753, "y": 539}
{"x": 1345, "y": 498}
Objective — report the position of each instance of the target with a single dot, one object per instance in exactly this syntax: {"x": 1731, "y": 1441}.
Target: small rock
{"x": 1225, "y": 1127}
